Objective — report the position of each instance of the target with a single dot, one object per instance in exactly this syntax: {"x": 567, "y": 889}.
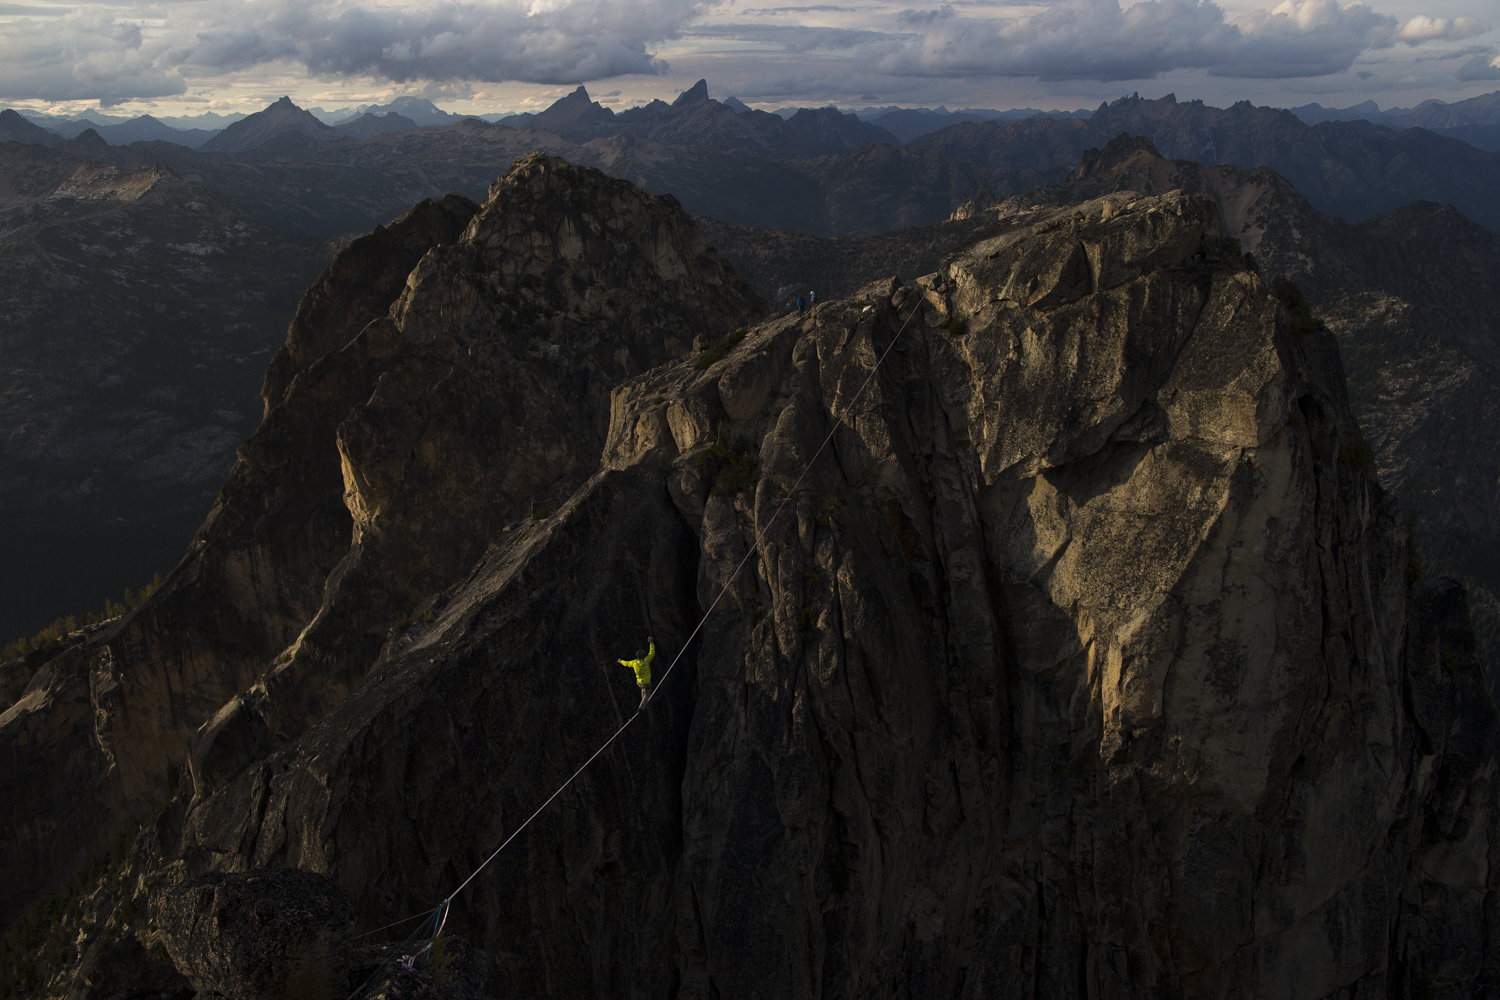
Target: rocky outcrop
{"x": 1081, "y": 660}
{"x": 262, "y": 935}
{"x": 1080, "y": 664}
{"x": 438, "y": 378}
{"x": 974, "y": 204}
{"x": 586, "y": 279}
{"x": 1411, "y": 297}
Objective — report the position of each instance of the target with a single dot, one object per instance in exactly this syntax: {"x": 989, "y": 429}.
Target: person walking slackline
{"x": 642, "y": 667}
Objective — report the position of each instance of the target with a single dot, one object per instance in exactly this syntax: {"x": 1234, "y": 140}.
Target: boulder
{"x": 261, "y": 935}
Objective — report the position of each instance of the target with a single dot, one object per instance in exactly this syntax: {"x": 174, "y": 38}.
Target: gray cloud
{"x": 1423, "y": 28}
{"x": 822, "y": 8}
{"x": 82, "y": 56}
{"x": 1485, "y": 66}
{"x": 1101, "y": 40}
{"x": 793, "y": 37}
{"x": 93, "y": 54}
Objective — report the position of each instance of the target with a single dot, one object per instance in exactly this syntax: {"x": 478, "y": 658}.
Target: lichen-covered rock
{"x": 268, "y": 934}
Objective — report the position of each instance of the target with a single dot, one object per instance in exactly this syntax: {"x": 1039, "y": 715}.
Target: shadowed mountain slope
{"x": 283, "y": 116}
{"x": 368, "y": 125}
{"x": 14, "y": 128}
{"x": 139, "y": 311}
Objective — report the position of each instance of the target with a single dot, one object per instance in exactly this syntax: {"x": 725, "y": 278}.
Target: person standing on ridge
{"x": 801, "y": 304}
{"x": 642, "y": 667}
{"x": 812, "y": 298}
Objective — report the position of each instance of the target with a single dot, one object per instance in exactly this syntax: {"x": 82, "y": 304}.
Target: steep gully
{"x": 1085, "y": 667}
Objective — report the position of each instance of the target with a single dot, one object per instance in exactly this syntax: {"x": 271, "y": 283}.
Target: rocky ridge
{"x": 1351, "y": 169}
{"x": 514, "y": 374}
{"x": 1079, "y": 665}
{"x": 1412, "y": 298}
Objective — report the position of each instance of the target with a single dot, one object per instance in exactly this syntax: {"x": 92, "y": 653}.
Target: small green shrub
{"x": 541, "y": 512}
{"x": 48, "y": 638}
{"x": 716, "y": 351}
{"x": 440, "y": 962}
{"x": 807, "y": 621}
{"x": 732, "y": 468}
{"x": 957, "y": 327}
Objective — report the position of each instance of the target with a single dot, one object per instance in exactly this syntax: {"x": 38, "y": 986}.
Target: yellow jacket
{"x": 642, "y": 668}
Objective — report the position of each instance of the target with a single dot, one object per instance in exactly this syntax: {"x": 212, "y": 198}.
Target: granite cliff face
{"x": 1412, "y": 297}
{"x": 1079, "y": 664}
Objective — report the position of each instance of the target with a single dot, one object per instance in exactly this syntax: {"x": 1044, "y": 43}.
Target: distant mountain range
{"x": 142, "y": 129}
{"x": 1352, "y": 169}
{"x": 820, "y": 171}
{"x": 1476, "y": 120}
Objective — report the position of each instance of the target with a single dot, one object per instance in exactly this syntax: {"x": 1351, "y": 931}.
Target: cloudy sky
{"x": 190, "y": 56}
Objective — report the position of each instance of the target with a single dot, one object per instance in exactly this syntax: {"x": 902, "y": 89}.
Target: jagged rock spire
{"x": 697, "y": 92}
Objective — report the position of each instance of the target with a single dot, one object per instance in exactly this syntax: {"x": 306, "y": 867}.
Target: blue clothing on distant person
{"x": 801, "y": 304}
